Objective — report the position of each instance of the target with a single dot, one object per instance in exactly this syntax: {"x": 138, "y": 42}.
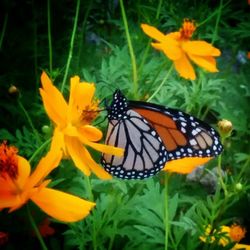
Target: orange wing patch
{"x": 165, "y": 127}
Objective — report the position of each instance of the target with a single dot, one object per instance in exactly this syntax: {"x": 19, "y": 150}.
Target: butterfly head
{"x": 118, "y": 108}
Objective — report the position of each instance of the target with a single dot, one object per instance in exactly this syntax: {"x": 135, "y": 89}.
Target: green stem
{"x": 49, "y": 36}
{"x": 162, "y": 83}
{"x": 35, "y": 43}
{"x": 131, "y": 50}
{"x": 222, "y": 183}
{"x": 243, "y": 168}
{"x": 29, "y": 121}
{"x": 158, "y": 10}
{"x": 167, "y": 224}
{"x": 71, "y": 47}
{"x": 217, "y": 22}
{"x": 39, "y": 150}
{"x": 33, "y": 224}
{"x": 91, "y": 198}
{"x": 4, "y": 29}
{"x": 82, "y": 34}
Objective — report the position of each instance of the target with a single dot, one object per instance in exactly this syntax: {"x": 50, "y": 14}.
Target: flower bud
{"x": 13, "y": 91}
{"x": 46, "y": 129}
{"x": 225, "y": 128}
{"x": 238, "y": 186}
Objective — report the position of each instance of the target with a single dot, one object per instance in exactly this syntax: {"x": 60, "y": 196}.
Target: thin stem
{"x": 91, "y": 198}
{"x": 167, "y": 224}
{"x": 217, "y": 22}
{"x": 162, "y": 83}
{"x": 4, "y": 29}
{"x": 29, "y": 120}
{"x": 223, "y": 185}
{"x": 131, "y": 50}
{"x": 33, "y": 224}
{"x": 158, "y": 10}
{"x": 39, "y": 150}
{"x": 243, "y": 168}
{"x": 71, "y": 47}
{"x": 49, "y": 36}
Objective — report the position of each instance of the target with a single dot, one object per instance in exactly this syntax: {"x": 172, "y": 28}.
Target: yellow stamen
{"x": 89, "y": 113}
{"x": 187, "y": 29}
{"x": 237, "y": 232}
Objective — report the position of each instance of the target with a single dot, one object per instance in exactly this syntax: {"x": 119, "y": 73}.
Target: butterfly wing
{"x": 188, "y": 141}
{"x": 144, "y": 154}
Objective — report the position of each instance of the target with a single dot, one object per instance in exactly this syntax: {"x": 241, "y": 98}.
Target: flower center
{"x": 237, "y": 233}
{"x": 89, "y": 113}
{"x": 187, "y": 29}
{"x": 8, "y": 161}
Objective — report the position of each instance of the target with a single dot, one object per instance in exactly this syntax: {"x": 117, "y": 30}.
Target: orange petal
{"x": 206, "y": 62}
{"x": 153, "y": 32}
{"x": 23, "y": 171}
{"x": 184, "y": 68}
{"x": 76, "y": 152}
{"x": 44, "y": 167}
{"x": 53, "y": 100}
{"x": 90, "y": 132}
{"x": 96, "y": 168}
{"x": 57, "y": 142}
{"x": 13, "y": 201}
{"x": 200, "y": 48}
{"x": 185, "y": 165}
{"x": 62, "y": 206}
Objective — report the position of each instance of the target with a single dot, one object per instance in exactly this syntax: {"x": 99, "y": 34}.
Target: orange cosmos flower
{"x": 248, "y": 53}
{"x": 18, "y": 185}
{"x": 178, "y": 47}
{"x": 72, "y": 129}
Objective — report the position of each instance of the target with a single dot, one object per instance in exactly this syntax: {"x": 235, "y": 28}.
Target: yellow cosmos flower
{"x": 234, "y": 233}
{"x": 18, "y": 186}
{"x": 72, "y": 129}
{"x": 178, "y": 47}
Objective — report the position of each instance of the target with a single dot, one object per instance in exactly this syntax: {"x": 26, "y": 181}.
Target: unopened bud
{"x": 13, "y": 91}
{"x": 238, "y": 186}
{"x": 225, "y": 128}
{"x": 46, "y": 129}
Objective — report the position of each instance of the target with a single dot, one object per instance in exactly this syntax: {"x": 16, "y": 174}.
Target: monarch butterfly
{"x": 152, "y": 136}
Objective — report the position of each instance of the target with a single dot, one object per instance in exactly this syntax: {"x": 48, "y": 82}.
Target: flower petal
{"x": 12, "y": 201}
{"x": 153, "y": 32}
{"x": 184, "y": 68}
{"x": 53, "y": 101}
{"x": 62, "y": 206}
{"x": 96, "y": 168}
{"x": 23, "y": 171}
{"x": 171, "y": 50}
{"x": 200, "y": 48}
{"x": 57, "y": 142}
{"x": 206, "y": 62}
{"x": 44, "y": 167}
{"x": 90, "y": 132}
{"x": 185, "y": 165}
{"x": 75, "y": 150}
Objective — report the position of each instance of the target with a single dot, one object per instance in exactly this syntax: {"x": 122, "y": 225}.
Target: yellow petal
{"x": 241, "y": 246}
{"x": 171, "y": 50}
{"x": 76, "y": 152}
{"x": 90, "y": 132}
{"x": 44, "y": 167}
{"x": 81, "y": 93}
{"x": 23, "y": 171}
{"x": 206, "y": 62}
{"x": 11, "y": 202}
{"x": 53, "y": 101}
{"x": 57, "y": 142}
{"x": 62, "y": 206}
{"x": 184, "y": 68}
{"x": 185, "y": 165}
{"x": 153, "y": 32}
{"x": 96, "y": 168}
{"x": 200, "y": 48}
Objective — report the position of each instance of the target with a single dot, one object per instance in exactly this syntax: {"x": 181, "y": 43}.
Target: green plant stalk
{"x": 167, "y": 224}
{"x": 91, "y": 197}
{"x": 35, "y": 43}
{"x": 162, "y": 83}
{"x": 222, "y": 183}
{"x": 217, "y": 22}
{"x": 4, "y": 29}
{"x": 33, "y": 224}
{"x": 158, "y": 10}
{"x": 82, "y": 34}
{"x": 49, "y": 36}
{"x": 29, "y": 120}
{"x": 39, "y": 150}
{"x": 131, "y": 50}
{"x": 243, "y": 169}
{"x": 71, "y": 47}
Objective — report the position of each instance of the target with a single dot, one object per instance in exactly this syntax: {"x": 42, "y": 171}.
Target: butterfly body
{"x": 154, "y": 136}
